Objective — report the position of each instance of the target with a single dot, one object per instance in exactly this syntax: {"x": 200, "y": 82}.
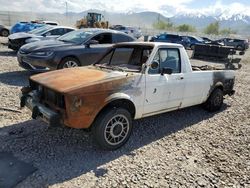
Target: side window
{"x": 162, "y": 37}
{"x": 104, "y": 38}
{"x": 167, "y": 58}
{"x": 56, "y": 31}
{"x": 122, "y": 38}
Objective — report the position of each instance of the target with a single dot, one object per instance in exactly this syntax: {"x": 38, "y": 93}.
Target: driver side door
{"x": 164, "y": 92}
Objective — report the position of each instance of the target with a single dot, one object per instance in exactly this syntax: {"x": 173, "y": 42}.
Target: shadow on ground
{"x": 15, "y": 78}
{"x": 62, "y": 154}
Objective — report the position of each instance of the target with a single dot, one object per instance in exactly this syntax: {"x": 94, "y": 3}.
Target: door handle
{"x": 180, "y": 78}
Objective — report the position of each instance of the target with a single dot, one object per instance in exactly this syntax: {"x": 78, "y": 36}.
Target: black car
{"x": 4, "y": 31}
{"x": 77, "y": 48}
{"x": 47, "y": 32}
{"x": 171, "y": 38}
{"x": 238, "y": 44}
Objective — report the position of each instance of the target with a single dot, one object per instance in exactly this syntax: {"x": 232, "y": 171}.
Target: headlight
{"x": 43, "y": 54}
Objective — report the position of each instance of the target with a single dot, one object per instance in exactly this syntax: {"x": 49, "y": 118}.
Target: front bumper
{"x": 39, "y": 111}
{"x": 36, "y": 64}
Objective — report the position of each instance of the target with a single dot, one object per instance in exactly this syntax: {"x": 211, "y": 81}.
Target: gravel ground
{"x": 185, "y": 148}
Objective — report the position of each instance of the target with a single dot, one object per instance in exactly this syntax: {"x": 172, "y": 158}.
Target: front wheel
{"x": 112, "y": 128}
{"x": 69, "y": 62}
{"x": 215, "y": 101}
{"x": 5, "y": 33}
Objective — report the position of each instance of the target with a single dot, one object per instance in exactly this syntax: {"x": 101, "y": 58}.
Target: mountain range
{"x": 239, "y": 22}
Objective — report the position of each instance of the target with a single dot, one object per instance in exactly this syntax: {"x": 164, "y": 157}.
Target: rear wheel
{"x": 112, "y": 128}
{"x": 5, "y": 33}
{"x": 239, "y": 47}
{"x": 215, "y": 101}
{"x": 69, "y": 62}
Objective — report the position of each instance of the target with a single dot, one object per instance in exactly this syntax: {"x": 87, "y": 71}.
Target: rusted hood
{"x": 68, "y": 80}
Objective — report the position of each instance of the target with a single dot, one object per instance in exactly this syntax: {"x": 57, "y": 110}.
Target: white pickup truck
{"x": 131, "y": 81}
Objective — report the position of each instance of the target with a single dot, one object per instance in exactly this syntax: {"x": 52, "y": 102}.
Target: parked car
{"x": 77, "y": 48}
{"x": 135, "y": 32}
{"x": 4, "y": 31}
{"x": 131, "y": 81}
{"x": 171, "y": 38}
{"x": 193, "y": 40}
{"x": 47, "y": 32}
{"x": 24, "y": 27}
{"x": 238, "y": 44}
{"x": 206, "y": 40}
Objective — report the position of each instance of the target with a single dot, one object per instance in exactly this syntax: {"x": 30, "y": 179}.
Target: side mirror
{"x": 91, "y": 42}
{"x": 154, "y": 65}
{"x": 166, "y": 70}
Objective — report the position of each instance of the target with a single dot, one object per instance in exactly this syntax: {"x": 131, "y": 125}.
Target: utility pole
{"x": 66, "y": 6}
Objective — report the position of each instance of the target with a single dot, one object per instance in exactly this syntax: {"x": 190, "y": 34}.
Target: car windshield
{"x": 128, "y": 59}
{"x": 77, "y": 37}
{"x": 40, "y": 30}
{"x": 199, "y": 39}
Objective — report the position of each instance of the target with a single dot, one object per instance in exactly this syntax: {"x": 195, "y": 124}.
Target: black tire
{"x": 215, "y": 101}
{"x": 65, "y": 63}
{"x": 112, "y": 128}
{"x": 5, "y": 33}
{"x": 239, "y": 47}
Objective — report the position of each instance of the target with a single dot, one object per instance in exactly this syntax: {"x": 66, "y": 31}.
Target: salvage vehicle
{"x": 172, "y": 38}
{"x": 130, "y": 81}
{"x": 135, "y": 32}
{"x": 78, "y": 48}
{"x": 47, "y": 32}
{"x": 238, "y": 44}
{"x": 29, "y": 26}
{"x": 192, "y": 41}
{"x": 4, "y": 31}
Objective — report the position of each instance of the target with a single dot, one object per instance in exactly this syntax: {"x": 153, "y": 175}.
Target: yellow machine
{"x": 93, "y": 20}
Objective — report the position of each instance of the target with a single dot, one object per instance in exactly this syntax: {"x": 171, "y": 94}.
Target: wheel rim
{"x": 5, "y": 33}
{"x": 116, "y": 130}
{"x": 69, "y": 64}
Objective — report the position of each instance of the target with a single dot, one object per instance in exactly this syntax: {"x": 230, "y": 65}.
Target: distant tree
{"x": 227, "y": 31}
{"x": 159, "y": 24}
{"x": 186, "y": 28}
{"x": 212, "y": 28}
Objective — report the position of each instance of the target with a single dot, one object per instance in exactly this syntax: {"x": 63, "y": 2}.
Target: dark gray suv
{"x": 77, "y": 48}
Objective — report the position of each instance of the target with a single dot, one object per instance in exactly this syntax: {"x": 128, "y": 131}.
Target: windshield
{"x": 199, "y": 39}
{"x": 77, "y": 37}
{"x": 125, "y": 59}
{"x": 40, "y": 30}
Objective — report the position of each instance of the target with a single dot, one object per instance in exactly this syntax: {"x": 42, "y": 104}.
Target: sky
{"x": 166, "y": 7}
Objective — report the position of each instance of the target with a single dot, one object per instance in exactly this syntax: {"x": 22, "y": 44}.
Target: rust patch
{"x": 64, "y": 80}
{"x": 93, "y": 100}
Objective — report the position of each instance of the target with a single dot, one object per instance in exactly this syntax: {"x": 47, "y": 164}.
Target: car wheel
{"x": 112, "y": 128}
{"x": 5, "y": 33}
{"x": 69, "y": 62}
{"x": 215, "y": 101}
{"x": 239, "y": 47}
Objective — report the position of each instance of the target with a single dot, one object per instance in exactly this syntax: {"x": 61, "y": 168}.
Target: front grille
{"x": 52, "y": 97}
{"x": 48, "y": 96}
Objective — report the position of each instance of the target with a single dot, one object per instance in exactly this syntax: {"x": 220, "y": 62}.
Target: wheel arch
{"x": 67, "y": 56}
{"x": 117, "y": 102}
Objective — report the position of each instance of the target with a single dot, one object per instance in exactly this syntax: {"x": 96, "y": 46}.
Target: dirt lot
{"x": 187, "y": 148}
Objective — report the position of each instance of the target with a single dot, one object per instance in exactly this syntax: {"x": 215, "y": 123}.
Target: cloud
{"x": 168, "y": 8}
